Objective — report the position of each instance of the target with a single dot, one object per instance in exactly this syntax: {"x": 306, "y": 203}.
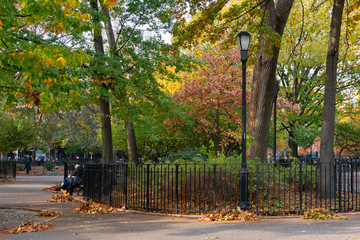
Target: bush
{"x": 49, "y": 166}
{"x": 185, "y": 156}
{"x": 20, "y": 167}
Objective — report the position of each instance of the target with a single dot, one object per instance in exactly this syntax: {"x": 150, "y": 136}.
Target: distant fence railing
{"x": 7, "y": 169}
{"x": 63, "y": 167}
{"x": 273, "y": 189}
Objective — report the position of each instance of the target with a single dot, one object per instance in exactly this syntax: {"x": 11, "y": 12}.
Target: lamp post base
{"x": 244, "y": 206}
{"x": 244, "y": 202}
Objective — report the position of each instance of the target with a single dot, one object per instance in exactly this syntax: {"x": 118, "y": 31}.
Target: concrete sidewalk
{"x": 25, "y": 193}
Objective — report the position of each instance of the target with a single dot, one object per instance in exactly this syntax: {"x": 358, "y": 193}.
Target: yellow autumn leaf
{"x": 85, "y": 17}
{"x": 110, "y": 3}
{"x": 27, "y": 84}
{"x": 61, "y": 61}
{"x": 69, "y": 5}
{"x": 49, "y": 81}
{"x": 1, "y": 24}
{"x": 73, "y": 79}
{"x": 48, "y": 62}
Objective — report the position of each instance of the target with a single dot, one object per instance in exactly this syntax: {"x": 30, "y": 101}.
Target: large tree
{"x": 128, "y": 60}
{"x": 302, "y": 60}
{"x": 327, "y": 188}
{"x": 265, "y": 86}
{"x": 214, "y": 98}
{"x": 213, "y": 20}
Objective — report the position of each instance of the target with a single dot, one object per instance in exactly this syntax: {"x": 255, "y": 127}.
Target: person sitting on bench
{"x": 75, "y": 180}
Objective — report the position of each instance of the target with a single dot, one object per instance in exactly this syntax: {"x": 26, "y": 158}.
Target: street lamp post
{"x": 244, "y": 42}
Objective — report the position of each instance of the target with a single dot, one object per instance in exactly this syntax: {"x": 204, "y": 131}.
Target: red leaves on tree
{"x": 214, "y": 94}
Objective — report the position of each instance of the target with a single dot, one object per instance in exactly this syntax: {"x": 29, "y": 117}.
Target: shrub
{"x": 20, "y": 167}
{"x": 185, "y": 156}
{"x": 49, "y": 166}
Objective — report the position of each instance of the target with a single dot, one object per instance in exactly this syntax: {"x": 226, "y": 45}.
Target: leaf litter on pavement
{"x": 36, "y": 226}
{"x": 61, "y": 198}
{"x": 229, "y": 214}
{"x": 93, "y": 207}
{"x": 51, "y": 188}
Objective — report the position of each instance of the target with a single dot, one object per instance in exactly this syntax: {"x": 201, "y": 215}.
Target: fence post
{"x": 65, "y": 169}
{"x": 301, "y": 186}
{"x": 147, "y": 186}
{"x": 351, "y": 165}
{"x": 85, "y": 183}
{"x": 125, "y": 182}
{"x": 101, "y": 182}
{"x": 340, "y": 186}
{"x": 214, "y": 187}
{"x": 111, "y": 182}
{"x": 14, "y": 169}
{"x": 176, "y": 187}
{"x": 257, "y": 189}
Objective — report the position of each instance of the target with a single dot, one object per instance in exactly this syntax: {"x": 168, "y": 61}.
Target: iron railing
{"x": 49, "y": 168}
{"x": 7, "y": 169}
{"x": 200, "y": 188}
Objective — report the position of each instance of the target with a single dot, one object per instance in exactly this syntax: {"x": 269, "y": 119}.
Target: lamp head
{"x": 244, "y": 40}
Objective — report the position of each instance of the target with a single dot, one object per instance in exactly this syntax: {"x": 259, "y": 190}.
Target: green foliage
{"x": 156, "y": 136}
{"x": 20, "y": 167}
{"x": 302, "y": 60}
{"x": 49, "y": 166}
{"x": 185, "y": 156}
{"x": 37, "y": 64}
{"x": 347, "y": 137}
{"x": 305, "y": 136}
{"x": 15, "y": 132}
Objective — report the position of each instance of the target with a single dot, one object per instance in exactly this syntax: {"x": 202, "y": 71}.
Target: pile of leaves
{"x": 321, "y": 214}
{"x": 51, "y": 188}
{"x": 92, "y": 208}
{"x": 61, "y": 198}
{"x": 48, "y": 214}
{"x": 5, "y": 179}
{"x": 229, "y": 214}
{"x": 27, "y": 227}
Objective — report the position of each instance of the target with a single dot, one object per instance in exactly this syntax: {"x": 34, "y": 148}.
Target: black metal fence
{"x": 200, "y": 188}
{"x": 49, "y": 168}
{"x": 7, "y": 169}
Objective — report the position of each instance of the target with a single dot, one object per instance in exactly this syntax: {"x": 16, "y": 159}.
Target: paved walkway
{"x": 25, "y": 193}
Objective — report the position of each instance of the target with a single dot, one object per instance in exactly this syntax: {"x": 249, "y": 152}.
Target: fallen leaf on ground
{"x": 5, "y": 179}
{"x": 92, "y": 208}
{"x": 229, "y": 214}
{"x": 61, "y": 198}
{"x": 29, "y": 227}
{"x": 48, "y": 214}
{"x": 322, "y": 214}
{"x": 51, "y": 188}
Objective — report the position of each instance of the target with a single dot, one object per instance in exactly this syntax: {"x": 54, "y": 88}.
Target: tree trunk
{"x": 218, "y": 132}
{"x": 131, "y": 142}
{"x": 36, "y": 127}
{"x": 293, "y": 147}
{"x": 327, "y": 188}
{"x": 129, "y": 126}
{"x": 265, "y": 85}
{"x": 107, "y": 145}
{"x": 33, "y": 156}
{"x": 52, "y": 154}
